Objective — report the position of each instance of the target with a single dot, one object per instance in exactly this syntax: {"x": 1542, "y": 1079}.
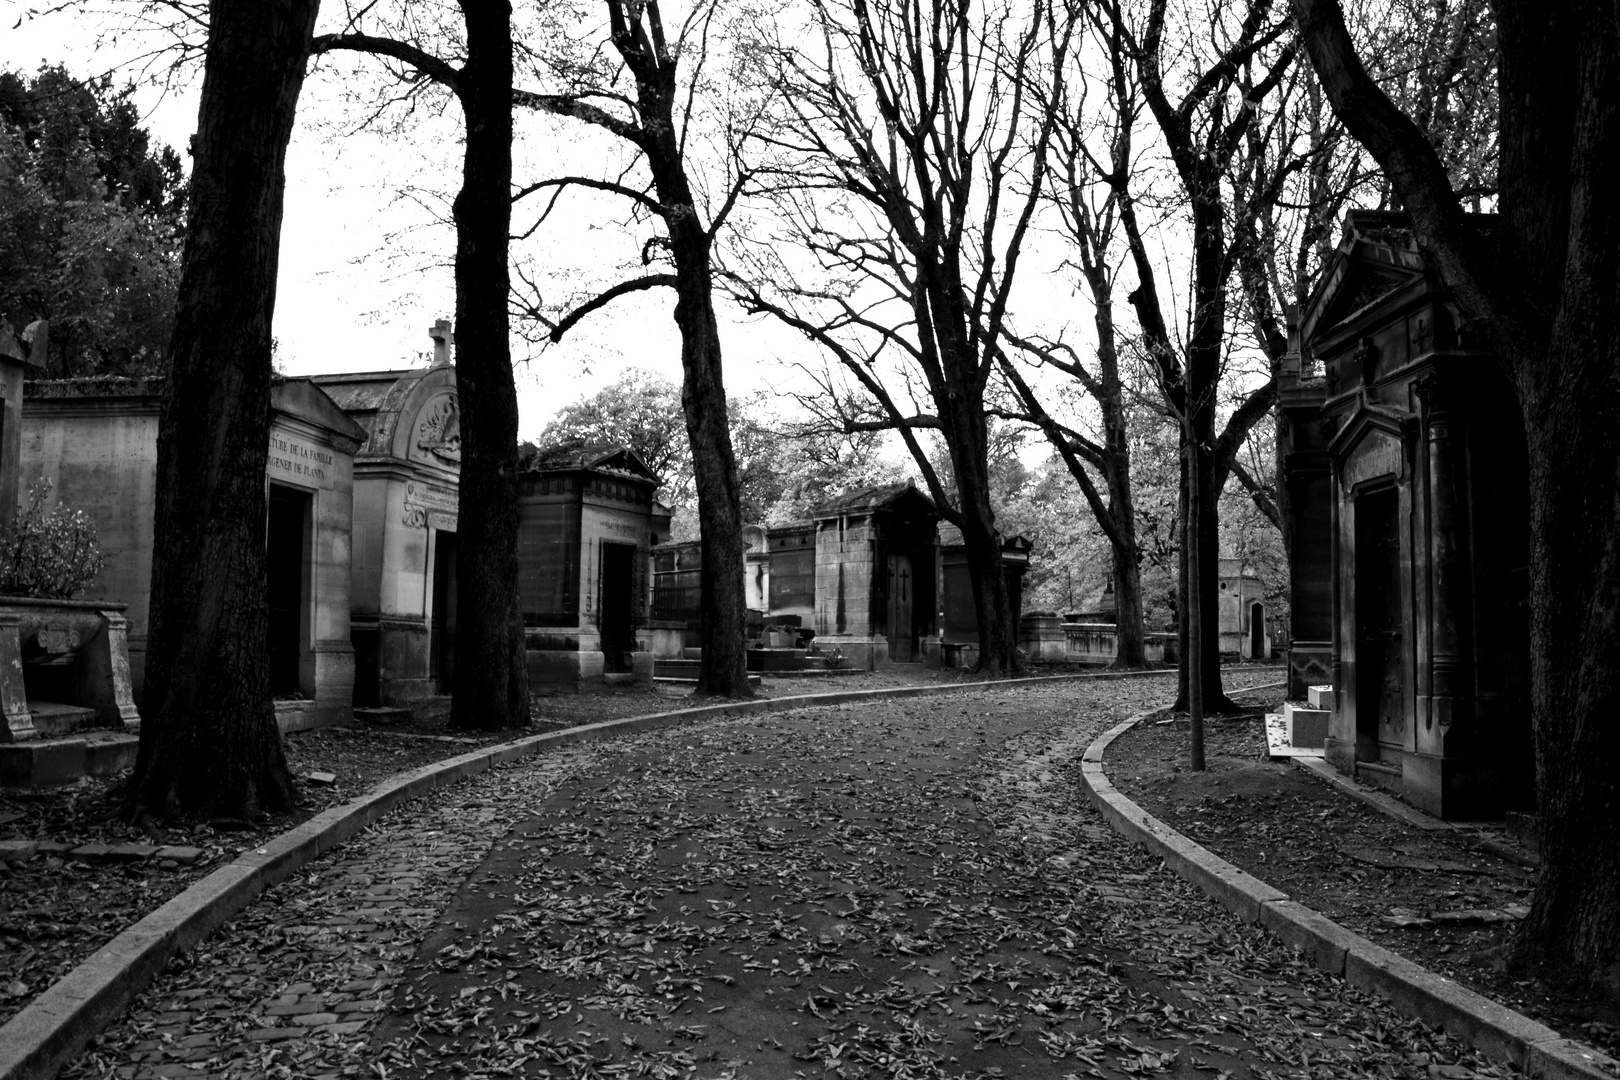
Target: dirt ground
{"x": 1436, "y": 897}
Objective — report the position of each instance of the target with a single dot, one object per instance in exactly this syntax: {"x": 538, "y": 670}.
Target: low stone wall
{"x": 1098, "y": 643}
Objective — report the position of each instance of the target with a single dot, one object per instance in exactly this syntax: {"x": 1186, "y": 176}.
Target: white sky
{"x": 365, "y": 256}
{"x": 365, "y": 268}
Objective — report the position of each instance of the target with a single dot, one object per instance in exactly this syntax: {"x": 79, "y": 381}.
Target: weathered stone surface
{"x": 17, "y": 849}
{"x": 180, "y": 853}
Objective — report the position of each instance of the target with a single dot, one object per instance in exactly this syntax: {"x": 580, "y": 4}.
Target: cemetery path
{"x": 911, "y": 888}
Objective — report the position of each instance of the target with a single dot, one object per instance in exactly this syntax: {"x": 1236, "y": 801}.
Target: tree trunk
{"x": 1215, "y": 699}
{"x": 723, "y": 668}
{"x": 492, "y": 680}
{"x": 1572, "y": 421}
{"x": 209, "y": 741}
{"x": 1128, "y": 628}
{"x": 992, "y": 604}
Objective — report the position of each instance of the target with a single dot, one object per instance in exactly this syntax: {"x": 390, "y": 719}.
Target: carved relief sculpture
{"x": 439, "y": 431}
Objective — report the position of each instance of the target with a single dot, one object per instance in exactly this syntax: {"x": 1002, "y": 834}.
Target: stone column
{"x": 1448, "y": 661}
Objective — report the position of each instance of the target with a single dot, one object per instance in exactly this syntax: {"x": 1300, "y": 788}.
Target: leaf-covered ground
{"x": 1446, "y": 899}
{"x": 901, "y": 889}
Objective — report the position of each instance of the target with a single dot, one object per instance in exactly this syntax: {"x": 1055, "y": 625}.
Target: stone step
{"x": 674, "y": 669}
{"x": 1307, "y": 727}
{"x": 1320, "y": 697}
{"x": 1277, "y": 745}
{"x": 1380, "y": 774}
{"x": 52, "y": 719}
{"x": 53, "y": 762}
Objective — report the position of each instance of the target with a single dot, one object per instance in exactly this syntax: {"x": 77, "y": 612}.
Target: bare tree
{"x": 654, "y": 118}
{"x": 492, "y": 688}
{"x": 911, "y": 168}
{"x": 210, "y": 745}
{"x": 1091, "y": 148}
{"x": 1205, "y": 98}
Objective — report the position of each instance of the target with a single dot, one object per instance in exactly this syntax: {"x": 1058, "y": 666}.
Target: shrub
{"x": 48, "y": 552}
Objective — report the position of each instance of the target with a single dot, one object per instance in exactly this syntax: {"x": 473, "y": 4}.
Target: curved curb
{"x": 57, "y": 1024}
{"x": 1491, "y": 1028}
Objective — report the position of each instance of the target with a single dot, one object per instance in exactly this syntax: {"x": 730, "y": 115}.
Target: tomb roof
{"x": 875, "y": 497}
{"x": 599, "y": 457}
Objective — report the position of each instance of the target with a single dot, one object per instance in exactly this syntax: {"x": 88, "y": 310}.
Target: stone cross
{"x": 443, "y": 338}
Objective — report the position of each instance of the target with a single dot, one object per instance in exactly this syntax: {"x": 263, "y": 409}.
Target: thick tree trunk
{"x": 492, "y": 682}
{"x": 963, "y": 413}
{"x": 209, "y": 742}
{"x": 723, "y": 668}
{"x": 1574, "y": 450}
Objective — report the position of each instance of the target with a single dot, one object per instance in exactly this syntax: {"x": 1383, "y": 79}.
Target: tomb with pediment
{"x": 1406, "y": 490}
{"x": 406, "y": 478}
{"x": 587, "y": 525}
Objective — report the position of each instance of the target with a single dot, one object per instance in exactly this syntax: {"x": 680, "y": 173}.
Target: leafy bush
{"x": 48, "y": 552}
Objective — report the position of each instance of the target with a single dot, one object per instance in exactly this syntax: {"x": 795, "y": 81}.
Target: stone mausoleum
{"x": 406, "y": 478}
{"x": 587, "y": 523}
{"x": 875, "y": 574}
{"x": 1404, "y": 459}
{"x": 96, "y": 441}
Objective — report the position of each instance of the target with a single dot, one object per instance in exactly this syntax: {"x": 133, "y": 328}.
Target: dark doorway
{"x": 1257, "y": 632}
{"x": 286, "y": 565}
{"x": 1380, "y": 690}
{"x": 442, "y": 628}
{"x": 618, "y": 606}
{"x": 901, "y": 629}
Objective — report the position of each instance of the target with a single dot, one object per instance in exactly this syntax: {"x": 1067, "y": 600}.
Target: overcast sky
{"x": 365, "y": 268}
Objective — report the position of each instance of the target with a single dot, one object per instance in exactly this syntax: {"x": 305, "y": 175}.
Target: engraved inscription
{"x": 298, "y": 460}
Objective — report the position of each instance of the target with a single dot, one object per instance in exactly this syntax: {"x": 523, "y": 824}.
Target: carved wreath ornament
{"x": 439, "y": 432}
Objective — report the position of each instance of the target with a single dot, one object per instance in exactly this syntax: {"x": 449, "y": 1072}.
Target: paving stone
{"x": 132, "y": 852}
{"x": 180, "y": 853}
{"x": 17, "y": 850}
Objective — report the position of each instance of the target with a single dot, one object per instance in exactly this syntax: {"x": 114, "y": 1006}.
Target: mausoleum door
{"x": 287, "y": 585}
{"x": 1257, "y": 631}
{"x": 1380, "y": 690}
{"x": 442, "y": 628}
{"x": 900, "y": 603}
{"x": 618, "y": 606}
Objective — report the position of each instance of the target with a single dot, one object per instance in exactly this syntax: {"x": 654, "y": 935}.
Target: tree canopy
{"x": 91, "y": 211}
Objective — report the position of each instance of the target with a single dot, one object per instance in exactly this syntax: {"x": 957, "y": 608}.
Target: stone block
{"x": 1306, "y": 727}
{"x": 41, "y": 762}
{"x": 131, "y": 852}
{"x": 1320, "y": 697}
{"x": 180, "y": 853}
{"x": 16, "y": 850}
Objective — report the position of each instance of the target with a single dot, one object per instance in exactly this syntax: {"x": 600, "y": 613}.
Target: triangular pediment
{"x": 1376, "y": 258}
{"x": 627, "y": 462}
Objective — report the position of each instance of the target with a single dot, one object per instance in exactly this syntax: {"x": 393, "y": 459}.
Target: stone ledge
{"x": 55, "y": 1026}
{"x": 1489, "y": 1027}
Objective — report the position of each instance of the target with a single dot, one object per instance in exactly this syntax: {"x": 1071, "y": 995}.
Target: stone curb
{"x": 59, "y": 1023}
{"x": 1494, "y": 1030}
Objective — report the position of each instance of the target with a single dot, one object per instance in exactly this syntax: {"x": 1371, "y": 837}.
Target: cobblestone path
{"x": 903, "y": 889}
